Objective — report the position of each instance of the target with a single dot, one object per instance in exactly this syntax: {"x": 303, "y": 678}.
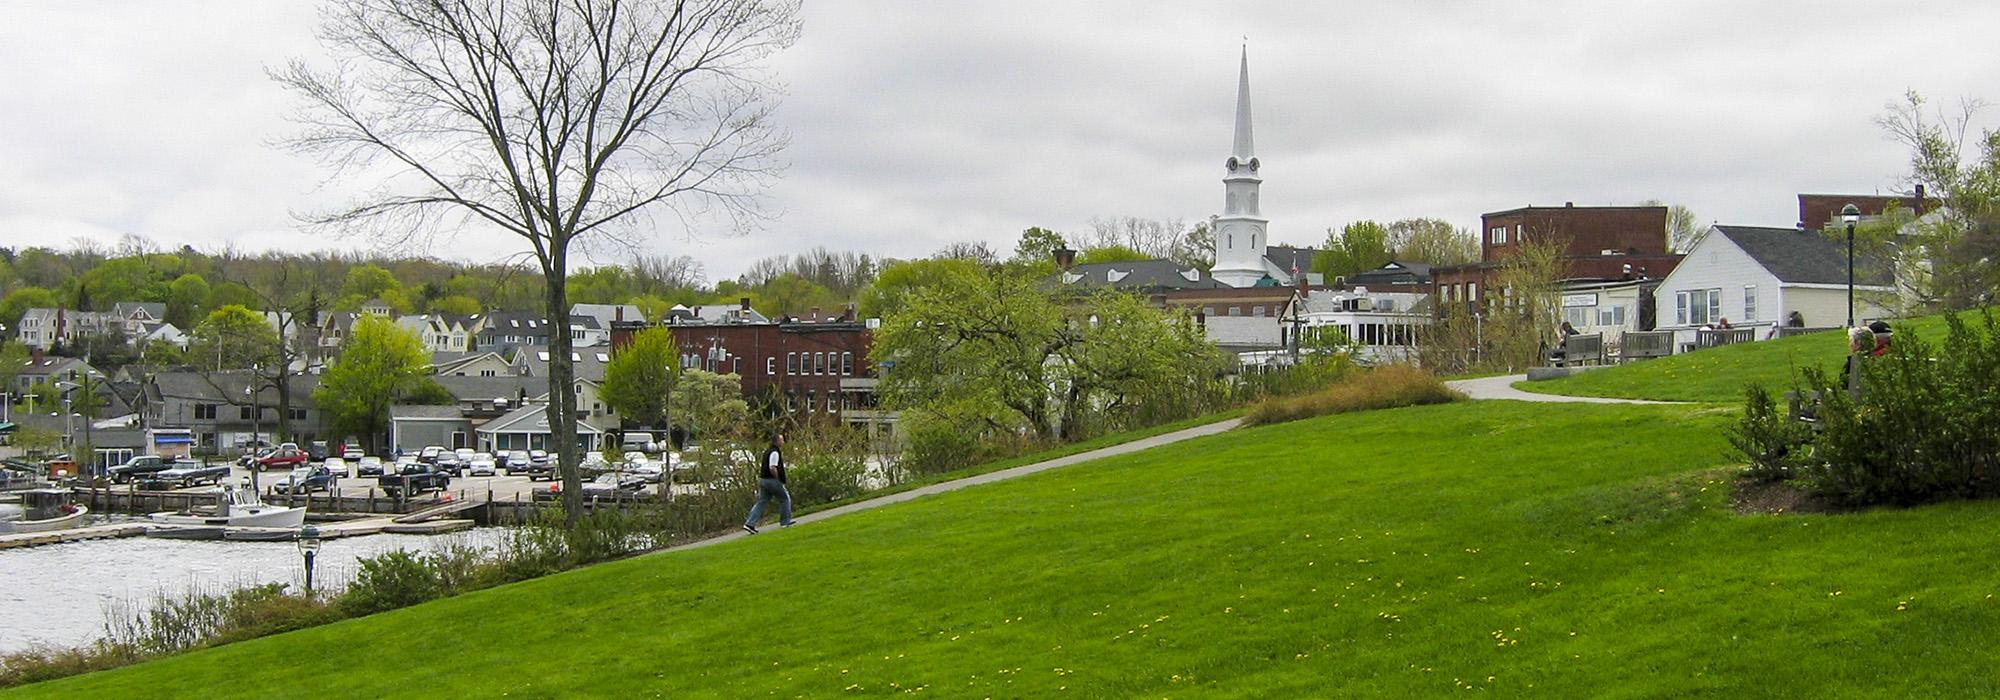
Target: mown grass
{"x": 1530, "y": 549}
{"x": 1719, "y": 375}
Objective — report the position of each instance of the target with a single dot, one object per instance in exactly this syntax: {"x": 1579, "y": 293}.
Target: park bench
{"x": 1789, "y": 331}
{"x": 1642, "y": 345}
{"x": 1717, "y": 337}
{"x": 1582, "y": 348}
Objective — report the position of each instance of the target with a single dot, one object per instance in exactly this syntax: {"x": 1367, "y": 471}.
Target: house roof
{"x": 705, "y": 314}
{"x": 425, "y": 413}
{"x": 1803, "y": 256}
{"x": 528, "y": 419}
{"x": 1286, "y": 257}
{"x": 1394, "y": 272}
{"x": 585, "y": 363}
{"x": 490, "y": 388}
{"x": 227, "y": 387}
{"x": 1138, "y": 274}
{"x": 522, "y": 323}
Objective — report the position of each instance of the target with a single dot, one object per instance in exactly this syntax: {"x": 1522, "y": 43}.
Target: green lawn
{"x": 1720, "y": 374}
{"x": 1530, "y": 549}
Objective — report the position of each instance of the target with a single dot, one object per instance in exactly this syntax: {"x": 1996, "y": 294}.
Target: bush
{"x": 1925, "y": 425}
{"x": 388, "y": 581}
{"x": 1768, "y": 437}
{"x": 1388, "y": 386}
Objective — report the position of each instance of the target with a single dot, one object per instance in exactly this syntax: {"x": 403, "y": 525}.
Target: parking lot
{"x": 502, "y": 488}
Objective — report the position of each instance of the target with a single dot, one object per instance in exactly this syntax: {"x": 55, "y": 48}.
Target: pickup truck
{"x": 138, "y": 467}
{"x": 305, "y": 480}
{"x": 414, "y": 479}
{"x": 284, "y": 459}
{"x": 185, "y": 473}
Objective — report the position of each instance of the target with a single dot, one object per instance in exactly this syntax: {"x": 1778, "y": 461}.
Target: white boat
{"x": 42, "y": 510}
{"x": 241, "y": 507}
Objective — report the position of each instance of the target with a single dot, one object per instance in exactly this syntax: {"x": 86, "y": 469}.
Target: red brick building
{"x": 1817, "y": 211}
{"x": 1600, "y": 243}
{"x": 815, "y": 365}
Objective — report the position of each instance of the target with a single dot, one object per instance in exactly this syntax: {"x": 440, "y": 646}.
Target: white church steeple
{"x": 1240, "y": 236}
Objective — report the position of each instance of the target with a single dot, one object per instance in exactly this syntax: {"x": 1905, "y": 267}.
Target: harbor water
{"x": 60, "y": 594}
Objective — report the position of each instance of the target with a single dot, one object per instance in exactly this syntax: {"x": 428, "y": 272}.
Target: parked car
{"x": 450, "y": 461}
{"x": 481, "y": 464}
{"x": 306, "y": 480}
{"x": 414, "y": 479}
{"x": 282, "y": 458}
{"x": 647, "y": 470}
{"x": 610, "y": 485}
{"x": 639, "y": 441}
{"x": 538, "y": 456}
{"x": 138, "y": 467}
{"x": 429, "y": 455}
{"x": 368, "y": 466}
{"x": 351, "y": 452}
{"x": 336, "y": 465}
{"x": 517, "y": 462}
{"x": 182, "y": 473}
{"x": 250, "y": 458}
{"x": 538, "y": 470}
{"x": 465, "y": 453}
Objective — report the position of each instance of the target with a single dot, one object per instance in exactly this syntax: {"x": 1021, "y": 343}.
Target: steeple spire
{"x": 1243, "y": 149}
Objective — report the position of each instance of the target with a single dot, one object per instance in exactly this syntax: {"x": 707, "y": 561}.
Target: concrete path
{"x": 770, "y": 525}
{"x": 1502, "y": 388}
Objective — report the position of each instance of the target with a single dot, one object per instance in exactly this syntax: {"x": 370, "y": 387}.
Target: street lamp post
{"x": 309, "y": 548}
{"x": 1850, "y": 214}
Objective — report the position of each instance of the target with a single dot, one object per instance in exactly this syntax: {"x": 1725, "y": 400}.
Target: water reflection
{"x": 59, "y": 594}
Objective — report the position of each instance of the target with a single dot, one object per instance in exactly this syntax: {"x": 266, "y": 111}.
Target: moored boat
{"x": 240, "y": 507}
{"x": 44, "y": 510}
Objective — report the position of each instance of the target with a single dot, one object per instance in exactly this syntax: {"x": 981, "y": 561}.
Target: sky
{"x": 916, "y": 124}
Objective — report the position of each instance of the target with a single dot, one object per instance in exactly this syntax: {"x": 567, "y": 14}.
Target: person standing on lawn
{"x": 771, "y": 485}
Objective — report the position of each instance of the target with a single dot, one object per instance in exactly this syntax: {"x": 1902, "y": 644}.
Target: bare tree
{"x": 564, "y": 122}
{"x": 1433, "y": 241}
{"x": 1684, "y": 229}
{"x": 1154, "y": 237}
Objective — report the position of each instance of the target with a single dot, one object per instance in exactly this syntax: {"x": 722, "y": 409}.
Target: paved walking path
{"x": 771, "y": 525}
{"x": 1488, "y": 388}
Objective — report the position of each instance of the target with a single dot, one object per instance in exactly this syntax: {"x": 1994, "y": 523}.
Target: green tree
{"x": 379, "y": 364}
{"x": 455, "y": 304}
{"x": 185, "y": 297}
{"x": 18, "y": 302}
{"x": 1433, "y": 241}
{"x": 371, "y": 281}
{"x": 1110, "y": 254}
{"x": 637, "y": 379}
{"x": 1009, "y": 351}
{"x": 1358, "y": 247}
{"x": 1950, "y": 258}
{"x": 1038, "y": 245}
{"x": 222, "y": 294}
{"x": 899, "y": 279}
{"x": 233, "y": 337}
{"x": 13, "y": 359}
{"x": 709, "y": 405}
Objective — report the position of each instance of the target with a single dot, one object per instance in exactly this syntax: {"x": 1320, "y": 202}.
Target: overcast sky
{"x": 915, "y": 124}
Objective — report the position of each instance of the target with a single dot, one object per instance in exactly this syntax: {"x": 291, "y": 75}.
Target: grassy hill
{"x": 1532, "y": 549}
{"x": 1719, "y": 374}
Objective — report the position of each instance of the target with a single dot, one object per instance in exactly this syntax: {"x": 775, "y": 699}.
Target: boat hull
{"x": 64, "y": 522}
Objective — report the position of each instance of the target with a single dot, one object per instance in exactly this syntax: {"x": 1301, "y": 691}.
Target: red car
{"x": 283, "y": 459}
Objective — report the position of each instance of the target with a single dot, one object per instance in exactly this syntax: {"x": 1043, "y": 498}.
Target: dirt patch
{"x": 1777, "y": 498}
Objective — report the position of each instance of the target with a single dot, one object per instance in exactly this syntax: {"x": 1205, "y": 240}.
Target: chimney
{"x": 815, "y": 315}
{"x": 1920, "y": 199}
{"x": 1569, "y": 205}
{"x": 1065, "y": 258}
{"x": 1200, "y": 320}
{"x": 618, "y": 313}
{"x": 745, "y": 303}
{"x": 848, "y": 314}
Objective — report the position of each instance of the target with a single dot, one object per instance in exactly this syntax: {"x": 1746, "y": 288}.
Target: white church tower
{"x": 1240, "y": 236}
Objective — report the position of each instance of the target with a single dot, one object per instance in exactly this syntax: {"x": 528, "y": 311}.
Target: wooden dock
{"x": 336, "y": 530}
{"x": 75, "y": 534}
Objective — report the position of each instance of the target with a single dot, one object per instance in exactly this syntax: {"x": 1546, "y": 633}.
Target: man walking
{"x": 770, "y": 485}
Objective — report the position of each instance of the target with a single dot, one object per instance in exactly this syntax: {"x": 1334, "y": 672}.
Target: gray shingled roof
{"x": 1140, "y": 274}
{"x": 1805, "y": 256}
{"x": 406, "y": 412}
{"x": 489, "y": 388}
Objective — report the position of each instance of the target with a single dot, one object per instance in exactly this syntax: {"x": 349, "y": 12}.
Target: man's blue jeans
{"x": 768, "y": 489}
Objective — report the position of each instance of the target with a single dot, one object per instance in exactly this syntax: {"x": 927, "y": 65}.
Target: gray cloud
{"x": 917, "y": 124}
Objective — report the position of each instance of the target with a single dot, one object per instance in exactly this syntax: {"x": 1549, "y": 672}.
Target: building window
{"x": 1611, "y": 315}
{"x": 1254, "y": 311}
{"x": 245, "y": 412}
{"x": 1499, "y": 235}
{"x": 791, "y": 363}
{"x": 1697, "y": 307}
{"x": 771, "y": 365}
{"x": 830, "y": 401}
{"x": 847, "y": 364}
{"x": 297, "y": 414}
{"x": 819, "y": 363}
{"x": 204, "y": 411}
{"x": 1472, "y": 292}
{"x": 1750, "y": 303}
{"x": 812, "y": 397}
{"x": 1578, "y": 315}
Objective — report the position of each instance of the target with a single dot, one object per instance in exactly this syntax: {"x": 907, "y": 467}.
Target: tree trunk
{"x": 562, "y": 395}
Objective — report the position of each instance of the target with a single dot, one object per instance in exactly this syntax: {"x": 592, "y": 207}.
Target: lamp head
{"x": 1850, "y": 213}
{"x": 309, "y": 539}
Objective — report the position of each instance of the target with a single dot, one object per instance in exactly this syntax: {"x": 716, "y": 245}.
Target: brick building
{"x": 1818, "y": 211}
{"x": 816, "y": 365}
{"x": 1599, "y": 243}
